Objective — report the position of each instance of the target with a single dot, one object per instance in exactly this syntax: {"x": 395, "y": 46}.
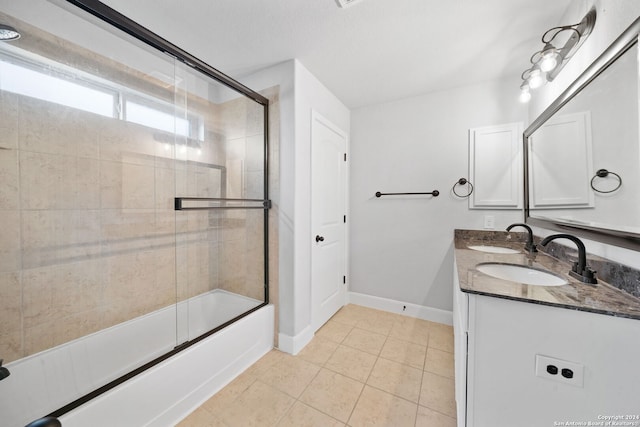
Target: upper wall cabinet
{"x": 495, "y": 166}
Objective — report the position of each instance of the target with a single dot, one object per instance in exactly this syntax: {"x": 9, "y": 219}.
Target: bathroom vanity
{"x": 531, "y": 355}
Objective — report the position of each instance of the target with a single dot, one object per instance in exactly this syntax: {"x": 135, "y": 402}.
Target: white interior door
{"x": 328, "y": 210}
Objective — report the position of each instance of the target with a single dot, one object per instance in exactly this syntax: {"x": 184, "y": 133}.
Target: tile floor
{"x": 364, "y": 367}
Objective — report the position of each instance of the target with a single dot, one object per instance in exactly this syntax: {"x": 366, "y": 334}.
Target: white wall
{"x": 614, "y": 16}
{"x": 402, "y": 248}
{"x": 300, "y": 93}
{"x": 310, "y": 95}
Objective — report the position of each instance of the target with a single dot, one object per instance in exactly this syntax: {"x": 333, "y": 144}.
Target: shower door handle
{"x": 319, "y": 239}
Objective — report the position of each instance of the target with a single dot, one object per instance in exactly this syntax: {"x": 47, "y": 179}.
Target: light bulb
{"x": 549, "y": 59}
{"x": 8, "y": 33}
{"x": 535, "y": 79}
{"x": 525, "y": 95}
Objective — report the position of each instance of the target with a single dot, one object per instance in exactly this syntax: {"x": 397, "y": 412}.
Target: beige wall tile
{"x": 9, "y": 124}
{"x": 87, "y": 184}
{"x": 52, "y": 181}
{"x": 38, "y": 338}
{"x": 11, "y": 300}
{"x": 377, "y": 408}
{"x": 125, "y": 230}
{"x": 47, "y": 181}
{"x": 52, "y": 237}
{"x": 45, "y": 128}
{"x": 99, "y": 229}
{"x": 55, "y": 292}
{"x": 9, "y": 178}
{"x": 11, "y": 346}
{"x": 164, "y": 292}
{"x": 165, "y": 188}
{"x": 10, "y": 241}
{"x": 127, "y": 186}
{"x": 124, "y": 142}
{"x": 76, "y": 326}
{"x": 129, "y": 279}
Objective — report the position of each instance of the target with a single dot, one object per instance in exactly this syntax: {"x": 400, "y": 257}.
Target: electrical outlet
{"x": 560, "y": 370}
{"x": 489, "y": 222}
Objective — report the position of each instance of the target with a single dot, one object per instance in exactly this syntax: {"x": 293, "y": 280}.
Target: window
{"x": 89, "y": 93}
{"x": 25, "y": 81}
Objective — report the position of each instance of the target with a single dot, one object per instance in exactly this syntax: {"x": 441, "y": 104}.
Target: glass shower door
{"x": 220, "y": 207}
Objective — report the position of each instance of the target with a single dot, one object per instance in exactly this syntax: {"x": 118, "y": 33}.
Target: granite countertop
{"x": 601, "y": 298}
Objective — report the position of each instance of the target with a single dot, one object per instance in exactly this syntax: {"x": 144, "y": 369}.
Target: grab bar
{"x": 179, "y": 205}
{"x": 434, "y": 193}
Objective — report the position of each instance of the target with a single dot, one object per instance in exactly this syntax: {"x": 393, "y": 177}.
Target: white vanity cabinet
{"x": 460, "y": 312}
{"x": 501, "y": 345}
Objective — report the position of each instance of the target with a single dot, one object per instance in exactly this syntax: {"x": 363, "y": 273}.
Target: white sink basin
{"x": 520, "y": 274}
{"x": 494, "y": 249}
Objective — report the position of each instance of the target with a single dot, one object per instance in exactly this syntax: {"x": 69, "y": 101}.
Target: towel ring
{"x": 462, "y": 181}
{"x": 603, "y": 173}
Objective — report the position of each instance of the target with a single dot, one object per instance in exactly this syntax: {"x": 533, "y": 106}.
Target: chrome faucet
{"x": 528, "y": 246}
{"x": 580, "y": 269}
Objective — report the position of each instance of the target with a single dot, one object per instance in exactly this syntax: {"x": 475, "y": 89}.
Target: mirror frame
{"x": 628, "y": 39}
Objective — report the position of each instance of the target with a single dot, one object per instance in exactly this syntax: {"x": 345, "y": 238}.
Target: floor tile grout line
{"x": 284, "y": 414}
{"x": 310, "y": 382}
{"x": 388, "y": 334}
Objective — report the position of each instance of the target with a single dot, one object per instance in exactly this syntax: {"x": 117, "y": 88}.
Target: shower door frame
{"x": 121, "y": 22}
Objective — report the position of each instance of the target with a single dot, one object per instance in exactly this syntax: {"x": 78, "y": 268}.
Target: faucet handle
{"x": 585, "y": 276}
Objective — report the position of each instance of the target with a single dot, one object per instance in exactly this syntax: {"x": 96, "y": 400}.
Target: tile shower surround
{"x": 87, "y": 208}
{"x": 621, "y": 276}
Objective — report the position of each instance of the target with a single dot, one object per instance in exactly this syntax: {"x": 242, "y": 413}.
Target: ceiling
{"x": 371, "y": 52}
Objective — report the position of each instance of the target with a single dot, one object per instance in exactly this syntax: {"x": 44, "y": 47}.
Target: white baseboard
{"x": 404, "y": 308}
{"x": 293, "y": 345}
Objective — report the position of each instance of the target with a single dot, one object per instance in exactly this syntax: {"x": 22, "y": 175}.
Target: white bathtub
{"x": 160, "y": 396}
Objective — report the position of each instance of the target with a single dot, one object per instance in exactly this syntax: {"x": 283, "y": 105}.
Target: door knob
{"x": 319, "y": 239}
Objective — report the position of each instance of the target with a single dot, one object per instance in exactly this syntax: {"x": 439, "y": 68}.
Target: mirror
{"x": 582, "y": 155}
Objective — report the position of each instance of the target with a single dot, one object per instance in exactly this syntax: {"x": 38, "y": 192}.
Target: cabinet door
{"x": 560, "y": 163}
{"x": 495, "y": 166}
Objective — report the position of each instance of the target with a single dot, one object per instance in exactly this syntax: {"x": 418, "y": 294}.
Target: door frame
{"x": 320, "y": 119}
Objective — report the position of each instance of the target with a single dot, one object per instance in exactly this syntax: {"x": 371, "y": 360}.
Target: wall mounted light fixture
{"x": 547, "y": 62}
